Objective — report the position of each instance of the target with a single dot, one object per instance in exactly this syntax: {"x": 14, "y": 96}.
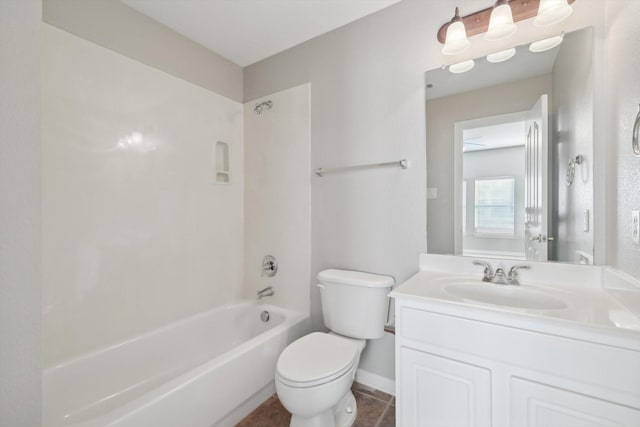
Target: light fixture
{"x": 546, "y": 44}
{"x": 501, "y": 23}
{"x": 551, "y": 12}
{"x": 456, "y": 40}
{"x": 501, "y": 56}
{"x": 462, "y": 67}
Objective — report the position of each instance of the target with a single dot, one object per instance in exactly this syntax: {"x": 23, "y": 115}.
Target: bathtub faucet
{"x": 266, "y": 292}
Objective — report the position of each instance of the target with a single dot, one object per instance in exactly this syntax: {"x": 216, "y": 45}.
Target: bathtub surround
{"x": 20, "y": 199}
{"x": 137, "y": 234}
{"x": 113, "y": 25}
{"x": 276, "y": 196}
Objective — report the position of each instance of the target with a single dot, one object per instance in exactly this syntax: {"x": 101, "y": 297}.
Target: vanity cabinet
{"x": 453, "y": 370}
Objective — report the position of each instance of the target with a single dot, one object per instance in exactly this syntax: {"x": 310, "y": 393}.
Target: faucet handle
{"x": 513, "y": 273}
{"x": 514, "y": 270}
{"x": 488, "y": 270}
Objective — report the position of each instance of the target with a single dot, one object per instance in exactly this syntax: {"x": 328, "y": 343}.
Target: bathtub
{"x": 211, "y": 369}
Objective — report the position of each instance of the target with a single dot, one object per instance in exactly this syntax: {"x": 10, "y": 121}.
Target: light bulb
{"x": 546, "y": 44}
{"x": 462, "y": 67}
{"x": 456, "y": 40}
{"x": 551, "y": 12}
{"x": 501, "y": 23}
{"x": 501, "y": 56}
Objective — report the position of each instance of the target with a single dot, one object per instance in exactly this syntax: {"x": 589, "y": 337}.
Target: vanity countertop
{"x": 588, "y": 312}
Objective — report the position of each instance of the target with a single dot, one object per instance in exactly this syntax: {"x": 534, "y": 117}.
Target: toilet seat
{"x": 315, "y": 359}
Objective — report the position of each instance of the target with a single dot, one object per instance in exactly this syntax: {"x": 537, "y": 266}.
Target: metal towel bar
{"x": 404, "y": 164}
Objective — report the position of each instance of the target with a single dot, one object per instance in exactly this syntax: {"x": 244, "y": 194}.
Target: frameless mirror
{"x": 510, "y": 155}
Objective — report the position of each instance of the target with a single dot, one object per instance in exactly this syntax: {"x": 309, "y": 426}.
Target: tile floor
{"x": 375, "y": 409}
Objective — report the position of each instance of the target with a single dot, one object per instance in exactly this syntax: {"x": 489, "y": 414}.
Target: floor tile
{"x": 270, "y": 414}
{"x": 370, "y": 409}
{"x": 389, "y": 417}
{"x": 375, "y": 409}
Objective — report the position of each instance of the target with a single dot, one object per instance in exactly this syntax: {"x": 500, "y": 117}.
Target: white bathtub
{"x": 207, "y": 370}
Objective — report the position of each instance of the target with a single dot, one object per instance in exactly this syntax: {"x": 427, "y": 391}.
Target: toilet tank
{"x": 354, "y": 304}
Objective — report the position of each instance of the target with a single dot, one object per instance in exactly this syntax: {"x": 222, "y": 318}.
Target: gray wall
{"x": 623, "y": 97}
{"x": 572, "y": 134}
{"x": 442, "y": 114}
{"x": 20, "y": 286}
{"x": 367, "y": 105}
{"x": 495, "y": 163}
{"x": 118, "y": 27}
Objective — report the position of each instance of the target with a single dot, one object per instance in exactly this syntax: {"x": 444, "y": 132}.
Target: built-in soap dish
{"x": 221, "y": 162}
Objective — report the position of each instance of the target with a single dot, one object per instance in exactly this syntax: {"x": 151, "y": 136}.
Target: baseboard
{"x": 376, "y": 381}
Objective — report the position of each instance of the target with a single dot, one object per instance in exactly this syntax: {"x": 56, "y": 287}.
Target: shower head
{"x": 259, "y": 107}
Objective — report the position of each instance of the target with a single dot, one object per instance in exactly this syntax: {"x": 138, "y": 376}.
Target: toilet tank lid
{"x": 355, "y": 278}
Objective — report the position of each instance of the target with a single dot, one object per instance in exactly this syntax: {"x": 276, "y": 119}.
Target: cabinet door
{"x": 440, "y": 392}
{"x": 538, "y": 405}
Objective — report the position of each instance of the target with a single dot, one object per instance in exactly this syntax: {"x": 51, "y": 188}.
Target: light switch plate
{"x": 585, "y": 221}
{"x": 635, "y": 227}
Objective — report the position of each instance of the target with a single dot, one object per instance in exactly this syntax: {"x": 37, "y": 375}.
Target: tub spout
{"x": 266, "y": 292}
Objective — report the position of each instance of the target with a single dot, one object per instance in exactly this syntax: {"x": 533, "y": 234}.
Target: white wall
{"x": 502, "y": 162}
{"x": 572, "y": 121}
{"x": 623, "y": 97}
{"x": 136, "y": 237}
{"x": 277, "y": 196}
{"x": 442, "y": 114}
{"x": 20, "y": 285}
{"x": 118, "y": 27}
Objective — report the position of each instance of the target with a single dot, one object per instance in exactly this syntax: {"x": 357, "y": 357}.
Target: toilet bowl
{"x": 313, "y": 380}
{"x": 314, "y": 374}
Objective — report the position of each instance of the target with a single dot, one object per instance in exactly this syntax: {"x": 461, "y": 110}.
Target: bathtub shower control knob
{"x": 269, "y": 266}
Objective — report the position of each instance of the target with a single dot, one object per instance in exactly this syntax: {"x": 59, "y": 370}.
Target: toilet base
{"x": 341, "y": 415}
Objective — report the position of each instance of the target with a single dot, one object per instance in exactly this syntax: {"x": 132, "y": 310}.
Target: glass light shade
{"x": 501, "y": 56}
{"x": 551, "y": 12}
{"x": 456, "y": 41}
{"x": 501, "y": 23}
{"x": 546, "y": 44}
{"x": 462, "y": 67}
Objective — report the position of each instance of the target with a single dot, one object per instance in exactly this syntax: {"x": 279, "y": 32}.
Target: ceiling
{"x": 494, "y": 136}
{"x": 247, "y": 31}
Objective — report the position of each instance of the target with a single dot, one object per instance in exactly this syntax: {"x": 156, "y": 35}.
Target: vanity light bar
{"x": 478, "y": 22}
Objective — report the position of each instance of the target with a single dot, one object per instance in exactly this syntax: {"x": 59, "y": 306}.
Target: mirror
{"x": 510, "y": 155}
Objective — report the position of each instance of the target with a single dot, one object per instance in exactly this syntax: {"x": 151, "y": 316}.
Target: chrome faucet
{"x": 266, "y": 292}
{"x": 499, "y": 277}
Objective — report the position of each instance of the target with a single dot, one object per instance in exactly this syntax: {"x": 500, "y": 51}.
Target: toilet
{"x": 314, "y": 374}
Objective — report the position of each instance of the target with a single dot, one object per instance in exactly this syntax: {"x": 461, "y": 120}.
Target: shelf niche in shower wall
{"x": 221, "y": 162}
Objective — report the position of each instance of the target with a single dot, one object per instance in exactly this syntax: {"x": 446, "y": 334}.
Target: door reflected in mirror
{"x": 502, "y": 141}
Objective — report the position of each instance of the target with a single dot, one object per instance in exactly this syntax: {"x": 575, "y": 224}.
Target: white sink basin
{"x": 503, "y": 295}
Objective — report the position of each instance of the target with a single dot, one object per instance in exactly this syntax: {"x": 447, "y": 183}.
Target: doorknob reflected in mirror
{"x": 540, "y": 238}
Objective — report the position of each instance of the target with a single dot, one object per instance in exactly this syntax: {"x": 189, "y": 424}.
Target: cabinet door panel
{"x": 539, "y": 405}
{"x": 440, "y": 392}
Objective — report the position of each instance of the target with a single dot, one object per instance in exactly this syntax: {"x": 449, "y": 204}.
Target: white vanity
{"x": 562, "y": 349}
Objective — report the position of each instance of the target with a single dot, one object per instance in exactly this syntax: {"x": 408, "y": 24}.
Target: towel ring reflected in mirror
{"x": 571, "y": 168}
{"x": 635, "y": 143}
